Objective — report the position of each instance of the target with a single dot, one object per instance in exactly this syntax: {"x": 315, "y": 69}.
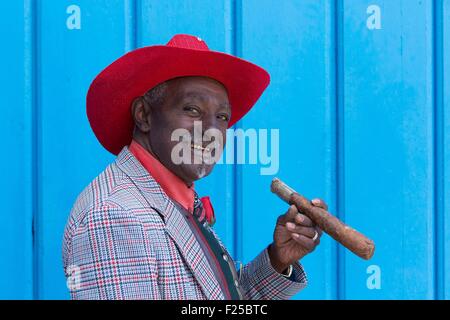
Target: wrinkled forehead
{"x": 183, "y": 83}
{"x": 198, "y": 88}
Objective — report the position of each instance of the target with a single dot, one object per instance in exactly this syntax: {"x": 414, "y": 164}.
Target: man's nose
{"x": 209, "y": 121}
{"x": 212, "y": 132}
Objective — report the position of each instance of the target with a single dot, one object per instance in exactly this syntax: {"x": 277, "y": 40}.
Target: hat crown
{"x": 187, "y": 41}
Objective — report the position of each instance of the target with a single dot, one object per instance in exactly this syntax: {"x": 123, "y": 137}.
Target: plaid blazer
{"x": 125, "y": 239}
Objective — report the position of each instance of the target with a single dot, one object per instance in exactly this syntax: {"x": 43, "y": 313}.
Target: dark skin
{"x": 190, "y": 99}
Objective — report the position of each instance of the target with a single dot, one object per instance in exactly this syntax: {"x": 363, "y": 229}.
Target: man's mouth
{"x": 198, "y": 147}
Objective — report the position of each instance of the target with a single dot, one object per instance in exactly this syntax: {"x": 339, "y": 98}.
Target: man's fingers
{"x": 313, "y": 233}
{"x": 294, "y": 215}
{"x": 319, "y": 231}
{"x": 289, "y": 215}
{"x": 303, "y": 220}
{"x": 304, "y": 241}
{"x": 319, "y": 203}
{"x": 310, "y": 232}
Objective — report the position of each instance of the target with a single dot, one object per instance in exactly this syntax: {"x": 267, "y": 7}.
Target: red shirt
{"x": 172, "y": 185}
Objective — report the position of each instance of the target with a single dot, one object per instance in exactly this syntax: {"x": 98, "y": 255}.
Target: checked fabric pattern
{"x": 125, "y": 239}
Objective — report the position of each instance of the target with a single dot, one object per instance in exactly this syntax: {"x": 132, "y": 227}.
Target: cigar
{"x": 353, "y": 240}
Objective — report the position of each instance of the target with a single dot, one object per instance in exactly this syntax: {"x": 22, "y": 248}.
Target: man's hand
{"x": 293, "y": 237}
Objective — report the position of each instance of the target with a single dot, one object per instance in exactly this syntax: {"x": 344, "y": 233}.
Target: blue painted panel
{"x": 387, "y": 146}
{"x": 16, "y": 196}
{"x": 445, "y": 149}
{"x": 211, "y": 21}
{"x": 296, "y": 46}
{"x": 69, "y": 155}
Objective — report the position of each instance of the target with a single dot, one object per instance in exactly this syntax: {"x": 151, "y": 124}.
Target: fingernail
{"x": 295, "y": 235}
{"x": 300, "y": 218}
{"x": 316, "y": 201}
{"x": 290, "y": 225}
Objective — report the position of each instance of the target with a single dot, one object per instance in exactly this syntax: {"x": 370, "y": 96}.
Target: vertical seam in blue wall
{"x": 29, "y": 83}
{"x": 35, "y": 163}
{"x": 331, "y": 291}
{"x": 238, "y": 214}
{"x": 138, "y": 23}
{"x": 130, "y": 25}
{"x": 229, "y": 182}
{"x": 137, "y": 14}
{"x": 438, "y": 149}
{"x": 340, "y": 267}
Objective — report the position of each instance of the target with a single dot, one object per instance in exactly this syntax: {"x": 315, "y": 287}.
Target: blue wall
{"x": 360, "y": 93}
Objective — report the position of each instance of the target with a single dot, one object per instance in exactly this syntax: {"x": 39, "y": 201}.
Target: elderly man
{"x": 139, "y": 230}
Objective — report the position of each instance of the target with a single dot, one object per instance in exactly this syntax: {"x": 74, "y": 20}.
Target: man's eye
{"x": 224, "y": 117}
{"x": 192, "y": 110}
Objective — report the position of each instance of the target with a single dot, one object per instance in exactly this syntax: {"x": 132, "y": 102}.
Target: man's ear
{"x": 141, "y": 114}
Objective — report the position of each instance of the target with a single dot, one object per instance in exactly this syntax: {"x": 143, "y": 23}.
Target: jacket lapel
{"x": 176, "y": 224}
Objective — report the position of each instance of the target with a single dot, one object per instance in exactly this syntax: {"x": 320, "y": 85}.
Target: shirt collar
{"x": 171, "y": 184}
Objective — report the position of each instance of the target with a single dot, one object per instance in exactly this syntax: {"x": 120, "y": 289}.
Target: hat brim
{"x": 109, "y": 98}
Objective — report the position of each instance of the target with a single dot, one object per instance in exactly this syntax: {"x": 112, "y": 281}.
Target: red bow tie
{"x": 208, "y": 210}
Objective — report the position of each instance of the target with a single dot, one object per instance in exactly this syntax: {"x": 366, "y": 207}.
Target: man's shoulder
{"x": 112, "y": 189}
{"x": 100, "y": 189}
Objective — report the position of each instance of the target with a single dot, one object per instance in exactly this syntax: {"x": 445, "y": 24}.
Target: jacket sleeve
{"x": 260, "y": 281}
{"x": 107, "y": 256}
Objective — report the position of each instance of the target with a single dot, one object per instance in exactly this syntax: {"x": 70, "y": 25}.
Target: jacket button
{"x": 236, "y": 283}
{"x": 225, "y": 257}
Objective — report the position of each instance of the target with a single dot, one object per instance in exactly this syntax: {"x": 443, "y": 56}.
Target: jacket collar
{"x": 174, "y": 187}
{"x": 174, "y": 222}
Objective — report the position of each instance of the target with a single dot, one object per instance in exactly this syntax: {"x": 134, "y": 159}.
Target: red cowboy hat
{"x": 108, "y": 102}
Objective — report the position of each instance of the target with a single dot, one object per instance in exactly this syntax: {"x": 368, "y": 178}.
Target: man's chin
{"x": 198, "y": 171}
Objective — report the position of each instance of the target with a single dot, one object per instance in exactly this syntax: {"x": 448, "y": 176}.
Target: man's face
{"x": 190, "y": 102}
